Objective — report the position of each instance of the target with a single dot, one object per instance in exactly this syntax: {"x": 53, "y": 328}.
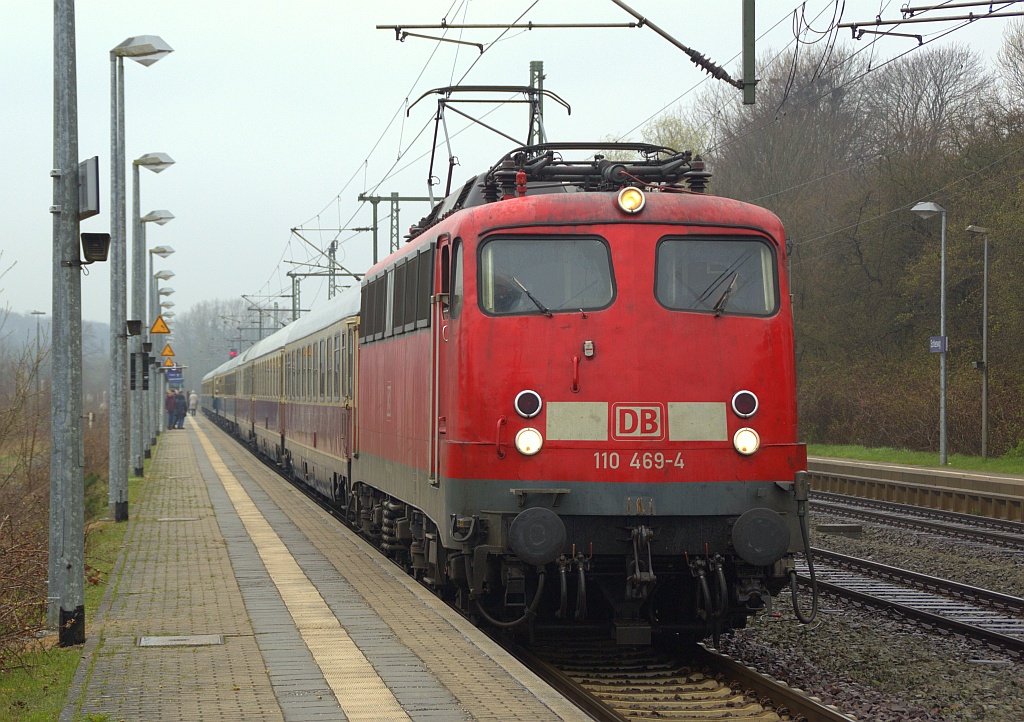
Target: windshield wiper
{"x": 536, "y": 303}
{"x": 720, "y": 305}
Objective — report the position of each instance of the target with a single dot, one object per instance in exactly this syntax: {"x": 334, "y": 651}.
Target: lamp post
{"x": 152, "y": 413}
{"x": 155, "y": 278}
{"x": 157, "y": 163}
{"x": 146, "y": 50}
{"x": 65, "y": 609}
{"x": 39, "y": 355}
{"x": 138, "y": 435}
{"x": 984, "y": 345}
{"x": 928, "y": 209}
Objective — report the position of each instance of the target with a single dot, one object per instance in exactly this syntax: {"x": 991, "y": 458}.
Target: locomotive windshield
{"x": 545, "y": 274}
{"x": 717, "y": 276}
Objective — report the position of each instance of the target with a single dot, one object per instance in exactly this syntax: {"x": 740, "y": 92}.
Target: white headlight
{"x": 746, "y": 441}
{"x": 529, "y": 441}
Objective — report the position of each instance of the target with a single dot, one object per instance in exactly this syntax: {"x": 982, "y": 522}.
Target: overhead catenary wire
{"x": 397, "y": 167}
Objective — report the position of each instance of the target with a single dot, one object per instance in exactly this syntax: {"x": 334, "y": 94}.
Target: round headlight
{"x": 528, "y": 404}
{"x": 744, "y": 403}
{"x": 631, "y": 200}
{"x": 529, "y": 441}
{"x": 746, "y": 441}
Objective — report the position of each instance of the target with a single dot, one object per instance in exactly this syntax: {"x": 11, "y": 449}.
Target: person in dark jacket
{"x": 180, "y": 409}
{"x": 170, "y": 402}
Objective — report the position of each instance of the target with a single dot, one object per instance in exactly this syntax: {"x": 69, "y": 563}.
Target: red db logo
{"x": 638, "y": 421}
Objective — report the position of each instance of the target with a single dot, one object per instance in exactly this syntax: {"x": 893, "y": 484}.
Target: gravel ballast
{"x": 878, "y": 667}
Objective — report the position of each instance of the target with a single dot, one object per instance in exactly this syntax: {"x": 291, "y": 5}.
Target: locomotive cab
{"x": 617, "y": 412}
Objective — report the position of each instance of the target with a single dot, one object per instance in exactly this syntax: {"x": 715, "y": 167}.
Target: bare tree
{"x": 1011, "y": 63}
{"x": 927, "y": 101}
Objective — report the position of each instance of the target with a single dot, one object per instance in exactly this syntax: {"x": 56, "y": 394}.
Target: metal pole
{"x": 154, "y": 306}
{"x": 375, "y": 252}
{"x": 66, "y": 569}
{"x": 118, "y": 465}
{"x": 749, "y": 72}
{"x": 984, "y": 358}
{"x": 945, "y": 345}
{"x": 138, "y": 446}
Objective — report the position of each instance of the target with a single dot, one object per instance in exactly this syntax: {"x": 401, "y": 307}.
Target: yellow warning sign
{"x": 168, "y": 351}
{"x": 169, "y": 363}
{"x": 159, "y": 326}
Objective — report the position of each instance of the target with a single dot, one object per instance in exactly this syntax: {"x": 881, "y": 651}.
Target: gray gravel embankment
{"x": 879, "y": 668}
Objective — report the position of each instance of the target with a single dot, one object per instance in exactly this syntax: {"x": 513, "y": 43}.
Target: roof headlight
{"x": 746, "y": 441}
{"x": 631, "y": 200}
{"x": 529, "y": 441}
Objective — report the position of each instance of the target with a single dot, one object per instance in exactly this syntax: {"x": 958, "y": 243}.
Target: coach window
{"x": 330, "y": 368}
{"x": 366, "y": 306}
{"x": 381, "y": 307}
{"x": 307, "y": 360}
{"x": 426, "y": 287}
{"x": 398, "y": 298}
{"x": 350, "y": 362}
{"x": 323, "y": 371}
{"x": 458, "y": 290}
{"x": 544, "y": 275}
{"x": 344, "y": 365}
{"x": 720, "y": 276}
{"x": 337, "y": 368}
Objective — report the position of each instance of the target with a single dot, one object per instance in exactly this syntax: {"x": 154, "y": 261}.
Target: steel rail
{"x": 970, "y": 526}
{"x": 562, "y": 683}
{"x": 923, "y": 581}
{"x": 1012, "y": 644}
{"x": 795, "y": 700}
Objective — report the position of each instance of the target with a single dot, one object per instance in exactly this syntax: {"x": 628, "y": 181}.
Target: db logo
{"x": 638, "y": 421}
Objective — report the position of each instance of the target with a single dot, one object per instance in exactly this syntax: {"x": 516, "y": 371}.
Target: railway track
{"x": 970, "y": 527}
{"x": 992, "y": 617}
{"x": 613, "y": 682}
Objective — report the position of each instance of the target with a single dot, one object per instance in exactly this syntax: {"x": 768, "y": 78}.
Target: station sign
{"x": 174, "y": 376}
{"x": 938, "y": 344}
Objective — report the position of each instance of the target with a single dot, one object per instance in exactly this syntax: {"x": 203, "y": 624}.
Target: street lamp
{"x": 927, "y": 209}
{"x": 984, "y": 345}
{"x": 146, "y": 50}
{"x": 154, "y": 388}
{"x": 159, "y": 417}
{"x": 156, "y": 162}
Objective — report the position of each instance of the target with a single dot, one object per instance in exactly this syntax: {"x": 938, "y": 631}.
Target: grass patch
{"x": 1001, "y": 465}
{"x": 37, "y": 691}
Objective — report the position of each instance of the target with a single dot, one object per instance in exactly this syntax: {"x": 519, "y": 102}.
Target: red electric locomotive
{"x": 573, "y": 398}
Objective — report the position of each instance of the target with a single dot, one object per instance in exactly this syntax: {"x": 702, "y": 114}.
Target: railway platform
{"x": 236, "y": 598}
{"x": 1000, "y": 496}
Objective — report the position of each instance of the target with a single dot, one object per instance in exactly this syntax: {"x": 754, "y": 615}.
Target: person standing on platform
{"x": 180, "y": 408}
{"x": 169, "y": 406}
{"x": 193, "y": 402}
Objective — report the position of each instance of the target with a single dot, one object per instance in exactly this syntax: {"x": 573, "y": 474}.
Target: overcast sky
{"x": 278, "y": 114}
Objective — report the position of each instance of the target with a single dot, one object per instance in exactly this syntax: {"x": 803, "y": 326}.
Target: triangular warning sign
{"x": 168, "y": 351}
{"x": 169, "y": 363}
{"x": 159, "y": 326}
